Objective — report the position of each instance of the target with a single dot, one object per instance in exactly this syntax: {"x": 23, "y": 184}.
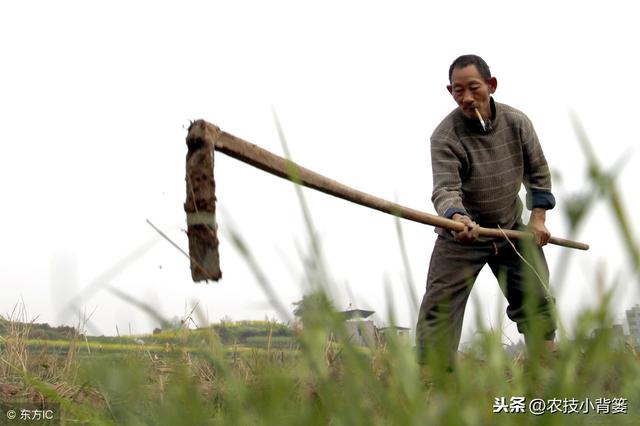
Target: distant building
{"x": 360, "y": 329}
{"x": 402, "y": 332}
{"x": 352, "y": 314}
{"x": 633, "y": 320}
{"x": 614, "y": 334}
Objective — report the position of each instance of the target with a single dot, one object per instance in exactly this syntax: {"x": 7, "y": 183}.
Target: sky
{"x": 95, "y": 98}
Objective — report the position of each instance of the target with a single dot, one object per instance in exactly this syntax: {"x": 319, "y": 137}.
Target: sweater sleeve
{"x": 537, "y": 177}
{"x": 447, "y": 164}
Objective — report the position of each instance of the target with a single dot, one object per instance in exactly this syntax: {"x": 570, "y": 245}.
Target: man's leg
{"x": 523, "y": 284}
{"x": 452, "y": 271}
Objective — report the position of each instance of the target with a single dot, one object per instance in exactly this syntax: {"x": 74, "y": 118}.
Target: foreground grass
{"x": 331, "y": 383}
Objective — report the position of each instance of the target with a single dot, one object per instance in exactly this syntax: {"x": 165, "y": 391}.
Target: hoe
{"x": 204, "y": 138}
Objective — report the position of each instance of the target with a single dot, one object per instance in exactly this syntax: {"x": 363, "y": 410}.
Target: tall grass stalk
{"x": 14, "y": 340}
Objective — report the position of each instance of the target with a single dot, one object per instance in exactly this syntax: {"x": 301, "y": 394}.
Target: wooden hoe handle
{"x": 279, "y": 166}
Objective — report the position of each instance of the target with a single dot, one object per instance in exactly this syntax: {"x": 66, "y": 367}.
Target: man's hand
{"x": 471, "y": 231}
{"x": 537, "y": 226}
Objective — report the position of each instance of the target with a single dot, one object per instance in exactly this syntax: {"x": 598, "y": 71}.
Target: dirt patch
{"x": 20, "y": 394}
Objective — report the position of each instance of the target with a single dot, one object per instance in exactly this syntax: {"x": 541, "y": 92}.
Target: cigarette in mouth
{"x": 484, "y": 127}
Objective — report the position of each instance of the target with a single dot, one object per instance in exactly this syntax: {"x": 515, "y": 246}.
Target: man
{"x": 481, "y": 154}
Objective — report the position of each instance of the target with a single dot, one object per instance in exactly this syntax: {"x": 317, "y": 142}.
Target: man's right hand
{"x": 471, "y": 232}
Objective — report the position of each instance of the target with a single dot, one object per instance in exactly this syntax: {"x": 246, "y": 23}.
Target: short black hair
{"x": 466, "y": 60}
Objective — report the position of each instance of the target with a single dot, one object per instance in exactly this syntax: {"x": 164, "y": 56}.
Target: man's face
{"x": 470, "y": 90}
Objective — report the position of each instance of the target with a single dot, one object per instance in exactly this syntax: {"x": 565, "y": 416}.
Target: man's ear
{"x": 450, "y": 88}
{"x": 493, "y": 85}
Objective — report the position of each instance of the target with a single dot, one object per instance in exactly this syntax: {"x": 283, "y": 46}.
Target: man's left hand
{"x": 537, "y": 226}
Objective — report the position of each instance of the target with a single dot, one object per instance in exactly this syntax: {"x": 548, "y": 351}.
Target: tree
{"x": 313, "y": 307}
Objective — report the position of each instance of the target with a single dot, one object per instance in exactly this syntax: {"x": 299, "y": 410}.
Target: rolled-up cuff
{"x": 539, "y": 198}
{"x": 453, "y": 210}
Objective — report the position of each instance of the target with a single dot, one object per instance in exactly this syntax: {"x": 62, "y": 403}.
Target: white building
{"x": 360, "y": 329}
{"x": 633, "y": 320}
{"x": 402, "y": 332}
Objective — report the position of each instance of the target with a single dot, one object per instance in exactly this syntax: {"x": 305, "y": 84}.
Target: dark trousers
{"x": 453, "y": 269}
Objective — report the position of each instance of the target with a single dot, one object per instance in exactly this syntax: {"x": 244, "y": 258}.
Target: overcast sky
{"x": 95, "y": 98}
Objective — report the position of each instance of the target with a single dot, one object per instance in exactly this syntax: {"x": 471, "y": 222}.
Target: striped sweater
{"x": 480, "y": 173}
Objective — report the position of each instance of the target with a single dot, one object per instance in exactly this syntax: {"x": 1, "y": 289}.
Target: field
{"x": 192, "y": 377}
